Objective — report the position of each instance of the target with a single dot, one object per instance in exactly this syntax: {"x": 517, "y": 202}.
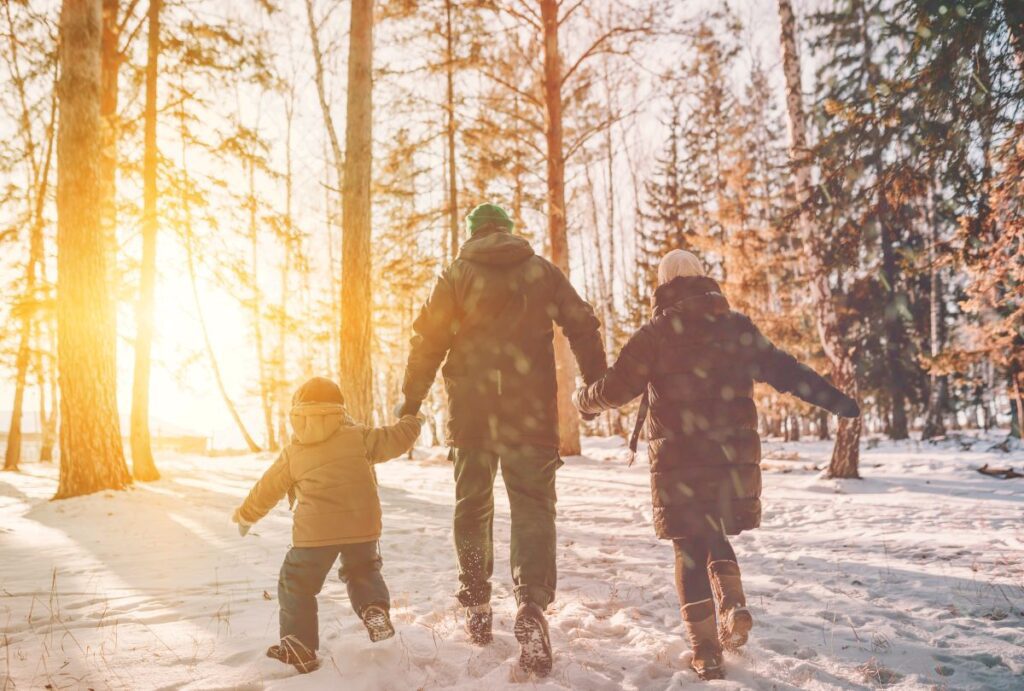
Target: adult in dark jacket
{"x": 696, "y": 362}
{"x": 490, "y": 319}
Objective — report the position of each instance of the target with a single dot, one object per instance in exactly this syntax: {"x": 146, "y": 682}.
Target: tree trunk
{"x": 356, "y": 255}
{"x": 1016, "y": 405}
{"x": 91, "y": 453}
{"x": 453, "y": 191}
{"x": 110, "y": 136}
{"x": 568, "y": 419}
{"x": 143, "y": 467}
{"x": 934, "y": 425}
{"x": 256, "y": 305}
{"x": 846, "y": 452}
{"x": 40, "y": 177}
{"x": 823, "y": 433}
{"x": 1013, "y": 10}
{"x": 286, "y": 262}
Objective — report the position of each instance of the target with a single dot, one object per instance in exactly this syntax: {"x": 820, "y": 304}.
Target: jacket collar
{"x": 689, "y": 293}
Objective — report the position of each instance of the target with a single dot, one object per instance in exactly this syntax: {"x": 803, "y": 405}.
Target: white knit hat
{"x": 678, "y": 263}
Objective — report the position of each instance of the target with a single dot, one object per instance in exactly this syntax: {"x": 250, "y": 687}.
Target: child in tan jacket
{"x": 327, "y": 473}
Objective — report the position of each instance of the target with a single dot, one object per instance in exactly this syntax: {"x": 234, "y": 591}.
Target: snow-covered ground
{"x": 912, "y": 578}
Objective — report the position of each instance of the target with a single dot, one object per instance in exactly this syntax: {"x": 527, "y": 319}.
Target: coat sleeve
{"x": 391, "y": 441}
{"x": 624, "y": 380}
{"x": 782, "y": 371}
{"x": 581, "y": 327}
{"x": 433, "y": 332}
{"x": 268, "y": 490}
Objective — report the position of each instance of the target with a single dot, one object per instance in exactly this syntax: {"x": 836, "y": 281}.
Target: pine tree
{"x": 143, "y": 467}
{"x": 91, "y": 455}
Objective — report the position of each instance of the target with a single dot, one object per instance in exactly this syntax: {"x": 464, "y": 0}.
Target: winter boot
{"x": 699, "y": 618}
{"x": 478, "y": 624}
{"x": 378, "y": 623}
{"x": 734, "y": 619}
{"x": 292, "y": 651}
{"x": 531, "y": 631}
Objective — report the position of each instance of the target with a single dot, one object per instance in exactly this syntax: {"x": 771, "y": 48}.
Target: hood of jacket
{"x": 312, "y": 423}
{"x": 496, "y": 248}
{"x": 689, "y": 295}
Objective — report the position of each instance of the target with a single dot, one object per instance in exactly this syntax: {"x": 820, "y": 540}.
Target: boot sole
{"x": 742, "y": 622}
{"x": 378, "y": 625}
{"x": 709, "y": 673}
{"x": 534, "y": 646}
{"x": 275, "y": 652}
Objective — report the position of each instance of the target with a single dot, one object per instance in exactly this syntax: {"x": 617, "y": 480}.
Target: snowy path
{"x": 912, "y": 578}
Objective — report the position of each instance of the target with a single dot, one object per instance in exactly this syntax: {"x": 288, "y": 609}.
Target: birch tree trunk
{"x": 846, "y": 452}
{"x": 143, "y": 467}
{"x": 256, "y": 305}
{"x": 286, "y": 265}
{"x": 453, "y": 191}
{"x": 565, "y": 371}
{"x": 91, "y": 452}
{"x": 356, "y": 257}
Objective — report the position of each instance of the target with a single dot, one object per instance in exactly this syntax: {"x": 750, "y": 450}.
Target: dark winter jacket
{"x": 698, "y": 361}
{"x": 489, "y": 319}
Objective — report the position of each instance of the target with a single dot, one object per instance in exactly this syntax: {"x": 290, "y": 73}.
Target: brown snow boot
{"x": 734, "y": 619}
{"x": 699, "y": 618}
{"x": 292, "y": 651}
{"x": 478, "y": 624}
{"x": 531, "y": 630}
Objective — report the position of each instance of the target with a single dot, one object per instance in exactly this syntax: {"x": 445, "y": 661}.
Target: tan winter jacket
{"x": 327, "y": 473}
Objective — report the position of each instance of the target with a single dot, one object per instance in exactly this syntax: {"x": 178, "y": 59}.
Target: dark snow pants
{"x": 302, "y": 576}
{"x": 693, "y": 555}
{"x": 529, "y": 474}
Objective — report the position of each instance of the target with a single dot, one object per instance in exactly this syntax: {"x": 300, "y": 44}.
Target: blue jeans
{"x": 303, "y": 574}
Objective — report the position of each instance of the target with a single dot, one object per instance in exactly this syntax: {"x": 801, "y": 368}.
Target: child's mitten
{"x": 243, "y": 527}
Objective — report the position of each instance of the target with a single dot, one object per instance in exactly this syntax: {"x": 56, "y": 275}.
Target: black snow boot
{"x": 531, "y": 631}
{"x": 378, "y": 623}
{"x": 292, "y": 651}
{"x": 478, "y": 624}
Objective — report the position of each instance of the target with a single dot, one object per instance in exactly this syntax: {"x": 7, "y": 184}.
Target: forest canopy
{"x": 205, "y": 202}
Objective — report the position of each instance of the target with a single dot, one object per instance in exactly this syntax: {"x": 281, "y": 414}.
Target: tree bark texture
{"x": 143, "y": 467}
{"x": 91, "y": 452}
{"x": 356, "y": 287}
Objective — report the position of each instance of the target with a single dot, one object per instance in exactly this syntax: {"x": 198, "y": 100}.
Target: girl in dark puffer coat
{"x": 695, "y": 362}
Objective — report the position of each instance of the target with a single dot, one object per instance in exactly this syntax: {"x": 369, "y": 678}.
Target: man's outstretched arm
{"x": 434, "y": 330}
{"x": 624, "y": 381}
{"x": 579, "y": 324}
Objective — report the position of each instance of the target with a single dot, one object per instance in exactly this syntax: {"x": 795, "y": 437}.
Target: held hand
{"x": 847, "y": 408}
{"x": 406, "y": 408}
{"x": 586, "y": 417}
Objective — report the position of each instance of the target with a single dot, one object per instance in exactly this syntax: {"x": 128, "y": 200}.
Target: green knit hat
{"x": 488, "y": 214}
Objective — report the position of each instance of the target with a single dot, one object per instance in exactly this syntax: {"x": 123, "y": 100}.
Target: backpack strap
{"x": 641, "y": 417}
